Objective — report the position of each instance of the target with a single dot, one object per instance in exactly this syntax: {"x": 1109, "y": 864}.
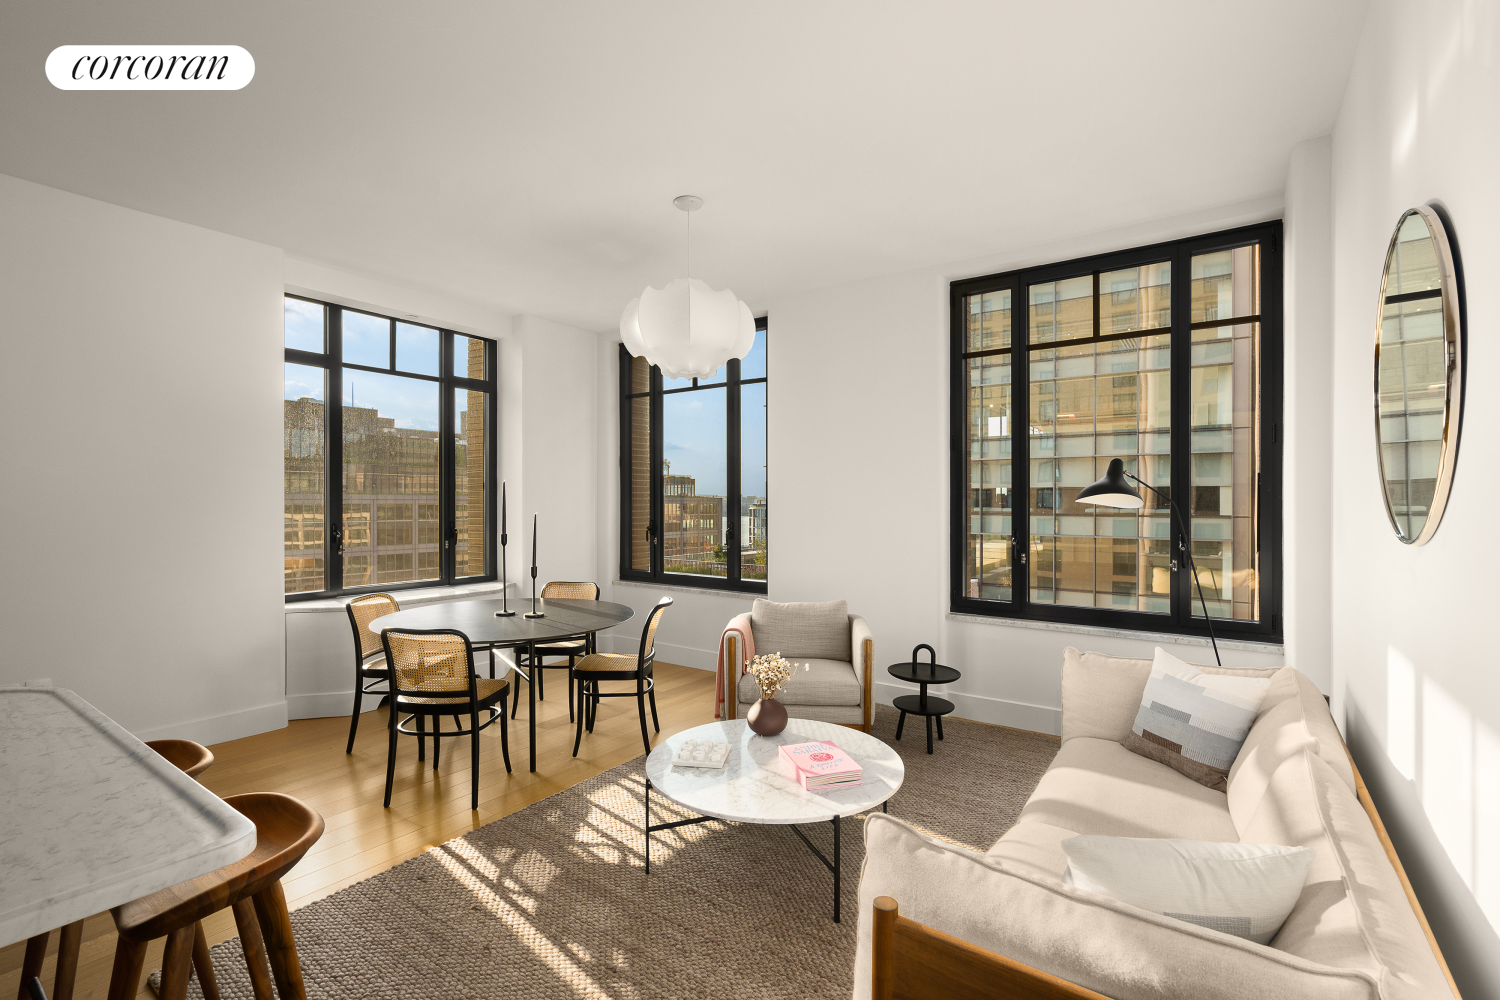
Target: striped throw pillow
{"x": 1195, "y": 722}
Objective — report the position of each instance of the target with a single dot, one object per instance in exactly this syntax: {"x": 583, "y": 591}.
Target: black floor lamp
{"x": 1114, "y": 491}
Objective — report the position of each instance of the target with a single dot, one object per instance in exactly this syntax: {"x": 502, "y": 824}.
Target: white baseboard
{"x": 328, "y": 705}
{"x": 222, "y": 728}
{"x": 983, "y": 708}
{"x": 666, "y": 652}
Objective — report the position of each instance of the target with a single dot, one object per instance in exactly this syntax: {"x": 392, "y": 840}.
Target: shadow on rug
{"x": 553, "y": 900}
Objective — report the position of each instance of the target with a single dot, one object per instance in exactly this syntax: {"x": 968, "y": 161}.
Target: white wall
{"x": 141, "y": 517}
{"x": 1413, "y": 628}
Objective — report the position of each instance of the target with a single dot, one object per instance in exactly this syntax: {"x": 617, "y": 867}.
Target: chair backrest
{"x": 648, "y": 634}
{"x": 429, "y": 661}
{"x": 362, "y": 611}
{"x": 567, "y": 590}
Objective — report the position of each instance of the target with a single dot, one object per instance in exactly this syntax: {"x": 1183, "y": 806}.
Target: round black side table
{"x": 923, "y": 674}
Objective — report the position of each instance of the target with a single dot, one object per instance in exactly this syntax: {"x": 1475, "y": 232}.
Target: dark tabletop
{"x": 476, "y": 619}
{"x": 924, "y": 673}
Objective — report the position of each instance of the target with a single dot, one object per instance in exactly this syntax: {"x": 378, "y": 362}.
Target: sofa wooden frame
{"x": 732, "y": 685}
{"x": 915, "y": 962}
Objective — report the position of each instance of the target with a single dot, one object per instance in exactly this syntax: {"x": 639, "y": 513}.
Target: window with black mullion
{"x": 405, "y": 415}
{"x": 1166, "y": 357}
{"x": 692, "y": 456}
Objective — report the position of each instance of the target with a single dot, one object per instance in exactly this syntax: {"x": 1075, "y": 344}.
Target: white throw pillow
{"x": 1242, "y": 889}
{"x": 1192, "y": 721}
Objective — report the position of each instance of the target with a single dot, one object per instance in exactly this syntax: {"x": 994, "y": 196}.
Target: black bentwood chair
{"x": 432, "y": 674}
{"x": 571, "y": 648}
{"x": 369, "y": 655}
{"x": 597, "y": 667}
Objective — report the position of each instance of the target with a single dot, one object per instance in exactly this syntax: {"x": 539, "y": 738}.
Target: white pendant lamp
{"x": 687, "y": 329}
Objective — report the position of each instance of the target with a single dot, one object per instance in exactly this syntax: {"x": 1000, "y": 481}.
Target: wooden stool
{"x": 190, "y": 758}
{"x": 285, "y": 829}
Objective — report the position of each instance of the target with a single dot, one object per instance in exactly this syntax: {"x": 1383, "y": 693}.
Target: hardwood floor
{"x": 428, "y": 808}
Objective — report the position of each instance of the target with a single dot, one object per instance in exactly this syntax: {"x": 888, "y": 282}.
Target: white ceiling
{"x": 525, "y": 155}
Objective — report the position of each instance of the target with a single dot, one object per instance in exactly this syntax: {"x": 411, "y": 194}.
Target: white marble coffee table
{"x": 753, "y": 787}
{"x": 91, "y": 817}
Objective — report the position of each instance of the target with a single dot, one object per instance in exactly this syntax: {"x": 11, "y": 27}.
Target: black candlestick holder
{"x": 534, "y": 613}
{"x": 504, "y": 611}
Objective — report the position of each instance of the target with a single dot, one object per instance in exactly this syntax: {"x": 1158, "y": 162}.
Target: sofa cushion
{"x": 824, "y": 682}
{"x": 1242, "y": 889}
{"x": 1353, "y": 912}
{"x": 813, "y": 630}
{"x": 1293, "y": 717}
{"x": 1099, "y": 943}
{"x": 1100, "y": 694}
{"x": 1193, "y": 721}
{"x": 1097, "y": 786}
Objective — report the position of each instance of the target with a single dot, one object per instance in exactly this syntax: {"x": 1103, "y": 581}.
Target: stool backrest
{"x": 362, "y": 611}
{"x": 567, "y": 590}
{"x": 435, "y": 661}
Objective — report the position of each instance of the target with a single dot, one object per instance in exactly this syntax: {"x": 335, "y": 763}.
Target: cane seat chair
{"x": 285, "y": 829}
{"x": 598, "y": 667}
{"x": 369, "y": 656}
{"x": 573, "y": 649}
{"x": 432, "y": 675}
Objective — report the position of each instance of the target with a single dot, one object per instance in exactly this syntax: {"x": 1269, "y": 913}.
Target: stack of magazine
{"x": 821, "y": 766}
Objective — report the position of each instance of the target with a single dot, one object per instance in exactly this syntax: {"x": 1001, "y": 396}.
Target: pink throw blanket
{"x": 725, "y": 685}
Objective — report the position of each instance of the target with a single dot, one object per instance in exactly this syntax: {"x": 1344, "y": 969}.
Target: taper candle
{"x": 502, "y": 508}
{"x": 533, "y": 542}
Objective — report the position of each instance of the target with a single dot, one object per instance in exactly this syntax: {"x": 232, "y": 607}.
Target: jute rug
{"x": 553, "y": 900}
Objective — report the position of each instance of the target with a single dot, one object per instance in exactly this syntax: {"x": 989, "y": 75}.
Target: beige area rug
{"x": 553, "y": 900}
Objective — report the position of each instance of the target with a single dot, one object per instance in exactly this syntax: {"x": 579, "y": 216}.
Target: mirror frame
{"x": 1453, "y": 336}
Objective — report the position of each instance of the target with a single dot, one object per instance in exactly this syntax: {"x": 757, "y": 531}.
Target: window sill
{"x": 676, "y": 589}
{"x": 1119, "y": 633}
{"x": 406, "y": 598}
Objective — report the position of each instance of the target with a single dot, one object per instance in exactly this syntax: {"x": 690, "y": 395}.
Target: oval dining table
{"x": 561, "y": 619}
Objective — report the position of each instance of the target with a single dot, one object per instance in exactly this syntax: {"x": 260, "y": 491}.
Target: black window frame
{"x": 333, "y": 365}
{"x": 732, "y": 384}
{"x": 1183, "y": 597}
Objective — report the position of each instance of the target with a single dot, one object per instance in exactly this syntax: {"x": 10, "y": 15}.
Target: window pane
{"x": 754, "y": 364}
{"x": 304, "y": 325}
{"x": 1062, "y": 310}
{"x": 471, "y": 415}
{"x": 640, "y": 477}
{"x": 390, "y": 462}
{"x": 304, "y": 466}
{"x": 1226, "y": 284}
{"x": 416, "y": 349}
{"x": 988, "y": 437}
{"x": 693, "y": 479}
{"x": 468, "y": 356}
{"x": 1224, "y": 505}
{"x": 1137, "y": 298}
{"x": 367, "y": 340}
{"x": 1091, "y": 403}
{"x": 754, "y": 509}
{"x": 1414, "y": 266}
{"x": 989, "y": 320}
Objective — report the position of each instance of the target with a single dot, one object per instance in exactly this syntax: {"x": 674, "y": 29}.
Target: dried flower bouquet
{"x": 772, "y": 673}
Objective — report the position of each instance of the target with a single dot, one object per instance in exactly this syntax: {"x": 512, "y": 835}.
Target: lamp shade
{"x": 1114, "y": 490}
{"x": 687, "y": 329}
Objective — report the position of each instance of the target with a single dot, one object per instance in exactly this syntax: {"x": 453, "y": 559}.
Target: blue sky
{"x": 694, "y": 422}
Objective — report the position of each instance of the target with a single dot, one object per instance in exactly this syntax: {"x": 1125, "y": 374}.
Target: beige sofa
{"x": 1356, "y": 931}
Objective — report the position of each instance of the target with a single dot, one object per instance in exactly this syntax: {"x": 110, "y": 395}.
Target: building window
{"x": 404, "y": 413}
{"x": 1167, "y": 357}
{"x": 693, "y": 501}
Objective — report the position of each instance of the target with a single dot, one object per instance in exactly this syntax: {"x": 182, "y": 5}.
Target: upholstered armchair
{"x": 837, "y": 647}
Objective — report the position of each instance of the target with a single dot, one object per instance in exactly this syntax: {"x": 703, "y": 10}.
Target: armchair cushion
{"x": 811, "y": 630}
{"x": 824, "y": 682}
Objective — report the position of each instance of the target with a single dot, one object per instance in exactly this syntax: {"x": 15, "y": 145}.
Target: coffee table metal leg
{"x": 836, "y": 887}
{"x": 900, "y": 723}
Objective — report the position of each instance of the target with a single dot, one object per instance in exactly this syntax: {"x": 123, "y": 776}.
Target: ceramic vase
{"x": 766, "y": 717}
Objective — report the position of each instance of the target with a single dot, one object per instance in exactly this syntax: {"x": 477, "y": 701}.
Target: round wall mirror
{"x": 1418, "y": 374}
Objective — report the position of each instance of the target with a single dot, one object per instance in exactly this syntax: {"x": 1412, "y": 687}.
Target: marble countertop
{"x": 753, "y": 787}
{"x": 93, "y": 817}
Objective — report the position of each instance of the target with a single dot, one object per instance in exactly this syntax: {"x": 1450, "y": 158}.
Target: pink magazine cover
{"x": 820, "y": 760}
